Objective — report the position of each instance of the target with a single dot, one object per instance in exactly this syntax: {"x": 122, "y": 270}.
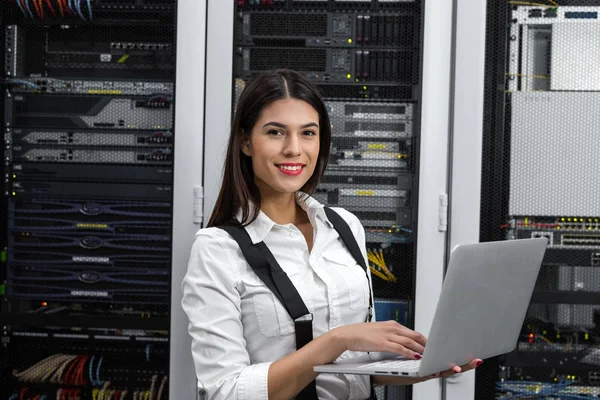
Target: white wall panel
{"x": 189, "y": 117}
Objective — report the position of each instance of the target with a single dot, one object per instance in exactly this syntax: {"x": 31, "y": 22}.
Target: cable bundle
{"x": 553, "y": 4}
{"x": 378, "y": 267}
{"x": 159, "y": 101}
{"x": 30, "y": 395}
{"x": 81, "y": 370}
{"x": 66, "y": 8}
{"x": 155, "y": 392}
{"x": 65, "y": 369}
{"x": 19, "y": 82}
{"x": 50, "y": 369}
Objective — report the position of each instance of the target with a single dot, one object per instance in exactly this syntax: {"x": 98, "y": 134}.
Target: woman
{"x": 243, "y": 340}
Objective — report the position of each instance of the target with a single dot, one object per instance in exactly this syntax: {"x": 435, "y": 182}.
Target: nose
{"x": 292, "y": 145}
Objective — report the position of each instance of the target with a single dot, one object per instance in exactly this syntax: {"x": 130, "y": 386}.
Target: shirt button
{"x": 292, "y": 235}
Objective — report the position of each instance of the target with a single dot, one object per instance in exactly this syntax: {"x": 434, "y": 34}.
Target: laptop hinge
{"x": 443, "y": 213}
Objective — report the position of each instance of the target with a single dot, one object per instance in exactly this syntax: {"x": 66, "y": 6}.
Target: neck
{"x": 282, "y": 208}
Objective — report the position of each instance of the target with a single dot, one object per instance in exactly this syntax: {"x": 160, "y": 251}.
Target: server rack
{"x": 365, "y": 58}
{"x": 86, "y": 218}
{"x": 542, "y": 88}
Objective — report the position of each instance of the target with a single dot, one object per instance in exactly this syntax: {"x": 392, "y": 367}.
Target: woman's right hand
{"x": 388, "y": 336}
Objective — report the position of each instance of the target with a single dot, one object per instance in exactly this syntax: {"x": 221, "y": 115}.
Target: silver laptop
{"x": 479, "y": 314}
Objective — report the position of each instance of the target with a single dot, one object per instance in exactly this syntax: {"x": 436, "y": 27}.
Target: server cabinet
{"x": 87, "y": 199}
{"x": 538, "y": 179}
{"x": 367, "y": 59}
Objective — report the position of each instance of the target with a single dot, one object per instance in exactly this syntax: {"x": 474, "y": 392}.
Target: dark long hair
{"x": 238, "y": 189}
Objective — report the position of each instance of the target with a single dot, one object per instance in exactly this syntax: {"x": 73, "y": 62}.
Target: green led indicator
{"x": 3, "y": 256}
{"x": 2, "y": 290}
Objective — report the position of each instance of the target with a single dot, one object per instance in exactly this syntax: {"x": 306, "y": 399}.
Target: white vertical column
{"x": 219, "y": 82}
{"x": 189, "y": 117}
{"x": 466, "y": 145}
{"x": 433, "y": 171}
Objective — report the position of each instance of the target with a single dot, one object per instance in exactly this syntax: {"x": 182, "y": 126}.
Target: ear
{"x": 245, "y": 146}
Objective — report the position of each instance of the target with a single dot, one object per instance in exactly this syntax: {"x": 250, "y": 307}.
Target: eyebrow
{"x": 280, "y": 125}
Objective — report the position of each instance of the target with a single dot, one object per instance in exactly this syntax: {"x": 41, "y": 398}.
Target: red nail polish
{"x": 478, "y": 363}
{"x": 417, "y": 356}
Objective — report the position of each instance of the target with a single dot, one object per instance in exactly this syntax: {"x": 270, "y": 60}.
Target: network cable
{"x": 21, "y": 7}
{"x": 380, "y": 270}
{"x": 21, "y": 82}
{"x": 78, "y": 9}
{"x": 89, "y": 5}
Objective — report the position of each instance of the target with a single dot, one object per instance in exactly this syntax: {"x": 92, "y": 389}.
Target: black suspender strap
{"x": 292, "y": 301}
{"x": 262, "y": 261}
{"x": 342, "y": 228}
{"x": 253, "y": 256}
{"x": 264, "y": 264}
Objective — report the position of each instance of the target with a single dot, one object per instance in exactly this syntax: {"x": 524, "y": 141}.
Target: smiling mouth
{"x": 290, "y": 167}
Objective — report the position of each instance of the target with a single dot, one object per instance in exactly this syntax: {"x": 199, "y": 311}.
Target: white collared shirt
{"x": 238, "y": 327}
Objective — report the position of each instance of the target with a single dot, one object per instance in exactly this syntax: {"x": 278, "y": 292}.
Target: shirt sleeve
{"x": 213, "y": 306}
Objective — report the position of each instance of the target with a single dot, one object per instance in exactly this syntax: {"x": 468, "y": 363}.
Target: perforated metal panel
{"x": 540, "y": 174}
{"x": 86, "y": 201}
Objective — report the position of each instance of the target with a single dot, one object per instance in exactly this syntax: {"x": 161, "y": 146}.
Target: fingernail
{"x": 417, "y": 356}
{"x": 478, "y": 363}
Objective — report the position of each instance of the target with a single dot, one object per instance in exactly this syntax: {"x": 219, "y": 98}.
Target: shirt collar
{"x": 262, "y": 225}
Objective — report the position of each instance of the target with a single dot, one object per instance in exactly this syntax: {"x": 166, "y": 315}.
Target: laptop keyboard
{"x": 404, "y": 364}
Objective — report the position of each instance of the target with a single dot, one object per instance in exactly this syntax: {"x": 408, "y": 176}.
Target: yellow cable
{"x": 370, "y": 253}
{"x": 376, "y": 262}
{"x": 545, "y": 339}
{"x": 373, "y": 257}
{"x": 380, "y": 255}
{"x": 390, "y": 276}
{"x": 526, "y": 3}
{"x": 379, "y": 274}
{"x": 530, "y": 76}
{"x": 376, "y": 257}
{"x": 387, "y": 272}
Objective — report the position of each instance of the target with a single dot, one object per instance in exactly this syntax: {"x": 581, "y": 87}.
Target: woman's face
{"x": 284, "y": 146}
